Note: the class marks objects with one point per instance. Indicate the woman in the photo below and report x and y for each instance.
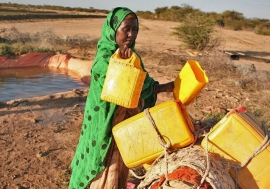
(97, 160)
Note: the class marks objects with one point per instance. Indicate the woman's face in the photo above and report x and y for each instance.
(126, 33)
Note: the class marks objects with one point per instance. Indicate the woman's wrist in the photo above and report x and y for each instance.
(167, 87)
(156, 88)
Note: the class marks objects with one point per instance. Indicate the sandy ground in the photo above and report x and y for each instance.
(38, 136)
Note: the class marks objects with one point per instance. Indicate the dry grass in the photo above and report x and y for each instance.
(15, 43)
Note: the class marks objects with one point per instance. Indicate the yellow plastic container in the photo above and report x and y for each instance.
(189, 83)
(138, 141)
(235, 138)
(124, 81)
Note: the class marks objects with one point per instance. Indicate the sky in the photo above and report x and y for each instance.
(249, 8)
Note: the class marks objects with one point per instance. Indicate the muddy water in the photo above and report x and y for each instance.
(30, 82)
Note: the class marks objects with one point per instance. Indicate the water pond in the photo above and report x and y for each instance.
(30, 82)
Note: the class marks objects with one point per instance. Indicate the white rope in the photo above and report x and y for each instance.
(265, 143)
(136, 176)
(207, 163)
(164, 144)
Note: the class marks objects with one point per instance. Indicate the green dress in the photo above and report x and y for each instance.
(96, 131)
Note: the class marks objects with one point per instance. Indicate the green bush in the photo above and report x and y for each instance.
(258, 112)
(234, 24)
(250, 24)
(195, 31)
(175, 13)
(263, 29)
(18, 49)
(217, 116)
(6, 50)
(146, 14)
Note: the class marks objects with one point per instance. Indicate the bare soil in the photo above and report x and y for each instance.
(38, 136)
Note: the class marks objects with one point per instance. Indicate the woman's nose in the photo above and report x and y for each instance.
(132, 33)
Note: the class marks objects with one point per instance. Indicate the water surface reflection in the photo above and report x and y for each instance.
(30, 82)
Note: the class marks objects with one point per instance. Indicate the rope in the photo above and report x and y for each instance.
(199, 132)
(207, 163)
(135, 175)
(161, 139)
(166, 166)
(164, 144)
(265, 143)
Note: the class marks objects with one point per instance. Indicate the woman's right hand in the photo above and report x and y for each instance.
(125, 52)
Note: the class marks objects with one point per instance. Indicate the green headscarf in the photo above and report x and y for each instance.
(96, 131)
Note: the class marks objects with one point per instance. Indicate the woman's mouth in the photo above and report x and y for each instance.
(128, 42)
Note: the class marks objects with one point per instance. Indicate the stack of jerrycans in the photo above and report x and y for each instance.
(236, 137)
(138, 140)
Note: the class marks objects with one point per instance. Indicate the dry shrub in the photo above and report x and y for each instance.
(253, 79)
(46, 38)
(162, 59)
(82, 42)
(15, 43)
(217, 65)
(12, 35)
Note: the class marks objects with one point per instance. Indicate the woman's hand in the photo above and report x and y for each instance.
(125, 52)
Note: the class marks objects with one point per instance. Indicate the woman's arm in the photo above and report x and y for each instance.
(166, 87)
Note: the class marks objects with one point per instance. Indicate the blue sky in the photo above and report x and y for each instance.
(249, 8)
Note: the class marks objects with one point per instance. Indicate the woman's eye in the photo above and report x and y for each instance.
(126, 29)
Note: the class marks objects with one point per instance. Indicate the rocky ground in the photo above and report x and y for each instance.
(38, 136)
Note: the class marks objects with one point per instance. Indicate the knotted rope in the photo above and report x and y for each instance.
(162, 141)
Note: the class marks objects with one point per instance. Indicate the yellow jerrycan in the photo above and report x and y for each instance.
(190, 81)
(138, 140)
(124, 81)
(240, 139)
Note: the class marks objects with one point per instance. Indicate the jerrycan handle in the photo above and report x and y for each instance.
(128, 60)
(133, 60)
